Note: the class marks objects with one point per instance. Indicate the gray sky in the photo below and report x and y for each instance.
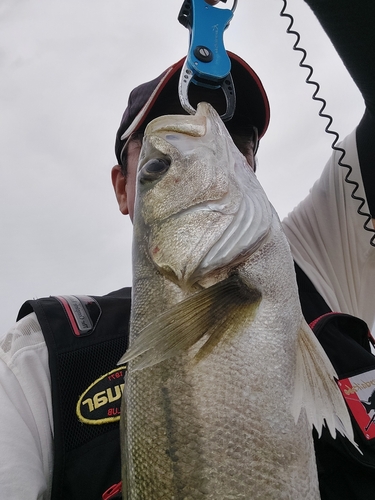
(67, 67)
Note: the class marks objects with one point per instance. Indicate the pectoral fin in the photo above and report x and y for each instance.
(205, 313)
(316, 390)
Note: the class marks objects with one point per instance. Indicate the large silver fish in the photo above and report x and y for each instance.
(225, 378)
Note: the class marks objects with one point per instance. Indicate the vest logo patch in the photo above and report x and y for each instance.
(101, 402)
(359, 394)
(83, 313)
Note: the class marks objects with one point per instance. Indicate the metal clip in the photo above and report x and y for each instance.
(207, 63)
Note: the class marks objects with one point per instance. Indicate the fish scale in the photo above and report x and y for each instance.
(218, 390)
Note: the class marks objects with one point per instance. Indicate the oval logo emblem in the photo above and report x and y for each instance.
(101, 402)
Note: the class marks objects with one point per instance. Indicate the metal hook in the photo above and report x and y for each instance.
(234, 7)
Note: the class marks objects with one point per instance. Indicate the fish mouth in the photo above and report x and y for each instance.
(195, 127)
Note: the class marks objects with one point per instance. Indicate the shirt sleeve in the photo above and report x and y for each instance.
(328, 239)
(26, 431)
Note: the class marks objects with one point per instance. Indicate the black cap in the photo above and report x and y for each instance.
(160, 97)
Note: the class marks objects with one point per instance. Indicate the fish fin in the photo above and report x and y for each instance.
(178, 329)
(316, 389)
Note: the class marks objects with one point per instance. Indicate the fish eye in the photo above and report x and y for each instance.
(154, 169)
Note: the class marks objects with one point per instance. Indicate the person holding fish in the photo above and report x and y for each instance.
(224, 379)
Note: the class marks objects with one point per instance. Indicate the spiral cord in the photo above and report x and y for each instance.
(368, 222)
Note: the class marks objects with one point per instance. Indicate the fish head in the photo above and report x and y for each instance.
(198, 204)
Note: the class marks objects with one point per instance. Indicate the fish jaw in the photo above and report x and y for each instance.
(209, 210)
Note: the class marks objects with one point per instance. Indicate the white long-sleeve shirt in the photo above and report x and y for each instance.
(26, 424)
(327, 241)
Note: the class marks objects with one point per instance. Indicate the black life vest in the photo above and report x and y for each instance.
(85, 336)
